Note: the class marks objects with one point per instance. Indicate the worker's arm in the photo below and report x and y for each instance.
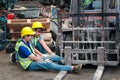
(35, 57)
(24, 52)
(46, 47)
(37, 52)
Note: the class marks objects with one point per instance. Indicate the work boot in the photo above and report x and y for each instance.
(77, 68)
(12, 58)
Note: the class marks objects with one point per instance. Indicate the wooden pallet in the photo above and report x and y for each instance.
(15, 25)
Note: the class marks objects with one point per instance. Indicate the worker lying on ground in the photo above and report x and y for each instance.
(39, 44)
(29, 60)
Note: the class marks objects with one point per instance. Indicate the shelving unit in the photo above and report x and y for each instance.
(2, 32)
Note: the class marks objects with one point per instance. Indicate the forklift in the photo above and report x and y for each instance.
(92, 37)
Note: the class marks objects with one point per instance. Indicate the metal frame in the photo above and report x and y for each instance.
(2, 32)
(77, 52)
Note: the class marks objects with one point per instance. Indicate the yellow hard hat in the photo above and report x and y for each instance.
(27, 31)
(37, 25)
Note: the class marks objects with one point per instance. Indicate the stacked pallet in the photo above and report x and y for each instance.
(15, 26)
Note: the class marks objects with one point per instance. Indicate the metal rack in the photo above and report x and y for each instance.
(2, 32)
(87, 41)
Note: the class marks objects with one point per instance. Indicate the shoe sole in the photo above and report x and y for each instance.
(78, 69)
(11, 61)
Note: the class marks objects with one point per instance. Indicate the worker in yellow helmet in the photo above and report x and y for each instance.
(27, 31)
(38, 41)
(39, 44)
(29, 60)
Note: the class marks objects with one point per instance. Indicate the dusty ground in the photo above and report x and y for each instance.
(10, 71)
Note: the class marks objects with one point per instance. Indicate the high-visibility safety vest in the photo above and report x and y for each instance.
(86, 2)
(24, 62)
(35, 40)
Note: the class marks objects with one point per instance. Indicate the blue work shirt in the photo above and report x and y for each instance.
(23, 51)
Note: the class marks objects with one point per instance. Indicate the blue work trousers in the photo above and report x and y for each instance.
(48, 65)
(53, 58)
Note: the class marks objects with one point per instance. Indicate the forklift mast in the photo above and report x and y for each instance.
(93, 35)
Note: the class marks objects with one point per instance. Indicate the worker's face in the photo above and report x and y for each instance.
(38, 31)
(28, 38)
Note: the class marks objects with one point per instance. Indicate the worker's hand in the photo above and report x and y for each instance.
(38, 55)
(53, 54)
(40, 59)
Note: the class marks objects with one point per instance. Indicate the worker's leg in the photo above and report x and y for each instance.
(53, 58)
(48, 66)
(40, 48)
(56, 59)
(16, 56)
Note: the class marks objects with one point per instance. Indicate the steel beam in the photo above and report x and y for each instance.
(98, 73)
(67, 52)
(60, 75)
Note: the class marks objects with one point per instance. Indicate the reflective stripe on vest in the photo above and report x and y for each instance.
(17, 45)
(35, 41)
(24, 62)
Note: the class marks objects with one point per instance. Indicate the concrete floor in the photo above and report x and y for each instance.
(9, 71)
